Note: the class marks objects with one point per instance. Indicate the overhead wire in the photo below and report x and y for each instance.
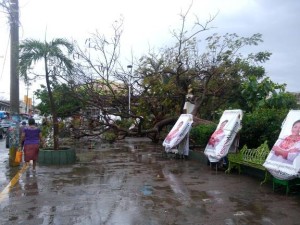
(4, 61)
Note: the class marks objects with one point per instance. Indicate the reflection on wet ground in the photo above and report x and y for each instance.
(132, 183)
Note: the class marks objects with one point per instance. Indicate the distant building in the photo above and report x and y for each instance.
(23, 108)
(4, 105)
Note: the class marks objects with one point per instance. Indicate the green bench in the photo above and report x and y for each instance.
(286, 183)
(250, 158)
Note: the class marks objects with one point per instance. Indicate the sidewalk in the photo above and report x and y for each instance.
(130, 183)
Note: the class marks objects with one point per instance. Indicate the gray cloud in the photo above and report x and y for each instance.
(278, 21)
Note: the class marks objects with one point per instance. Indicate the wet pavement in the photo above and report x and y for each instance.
(131, 183)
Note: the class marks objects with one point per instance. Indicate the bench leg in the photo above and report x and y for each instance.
(229, 168)
(233, 165)
(285, 183)
(267, 176)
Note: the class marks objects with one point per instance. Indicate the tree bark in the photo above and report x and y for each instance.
(53, 109)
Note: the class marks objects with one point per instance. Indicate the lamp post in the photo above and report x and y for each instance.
(129, 87)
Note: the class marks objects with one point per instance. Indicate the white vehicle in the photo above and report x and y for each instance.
(111, 118)
(38, 119)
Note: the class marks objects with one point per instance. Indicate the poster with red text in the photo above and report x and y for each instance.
(283, 161)
(223, 137)
(179, 133)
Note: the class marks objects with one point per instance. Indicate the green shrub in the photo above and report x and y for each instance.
(260, 126)
(126, 123)
(201, 134)
(109, 137)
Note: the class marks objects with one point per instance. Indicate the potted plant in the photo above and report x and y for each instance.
(56, 65)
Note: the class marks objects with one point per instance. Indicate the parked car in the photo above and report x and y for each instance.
(4, 114)
(7, 141)
(1, 132)
(5, 123)
(38, 120)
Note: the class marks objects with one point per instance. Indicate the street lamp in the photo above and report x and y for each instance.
(129, 86)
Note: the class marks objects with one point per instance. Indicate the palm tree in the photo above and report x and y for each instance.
(54, 60)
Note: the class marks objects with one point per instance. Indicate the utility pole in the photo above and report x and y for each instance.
(14, 56)
(14, 79)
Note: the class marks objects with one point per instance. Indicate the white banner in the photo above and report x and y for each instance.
(223, 137)
(283, 161)
(179, 131)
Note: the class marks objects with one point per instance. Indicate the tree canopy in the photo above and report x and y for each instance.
(214, 74)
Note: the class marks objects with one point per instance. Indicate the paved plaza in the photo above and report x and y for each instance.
(131, 183)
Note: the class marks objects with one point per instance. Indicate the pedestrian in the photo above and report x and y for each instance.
(32, 137)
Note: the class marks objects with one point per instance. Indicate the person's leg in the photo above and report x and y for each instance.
(35, 151)
(33, 164)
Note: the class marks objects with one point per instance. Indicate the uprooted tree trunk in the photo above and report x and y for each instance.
(153, 133)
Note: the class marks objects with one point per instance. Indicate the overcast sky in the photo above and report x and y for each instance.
(148, 23)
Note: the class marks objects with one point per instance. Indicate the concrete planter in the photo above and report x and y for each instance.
(63, 156)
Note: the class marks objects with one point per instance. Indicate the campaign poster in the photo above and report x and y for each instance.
(224, 135)
(179, 133)
(283, 161)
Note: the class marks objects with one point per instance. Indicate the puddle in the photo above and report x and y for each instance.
(147, 190)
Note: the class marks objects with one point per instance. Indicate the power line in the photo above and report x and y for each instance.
(5, 56)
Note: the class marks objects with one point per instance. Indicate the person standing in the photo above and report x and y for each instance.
(31, 137)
